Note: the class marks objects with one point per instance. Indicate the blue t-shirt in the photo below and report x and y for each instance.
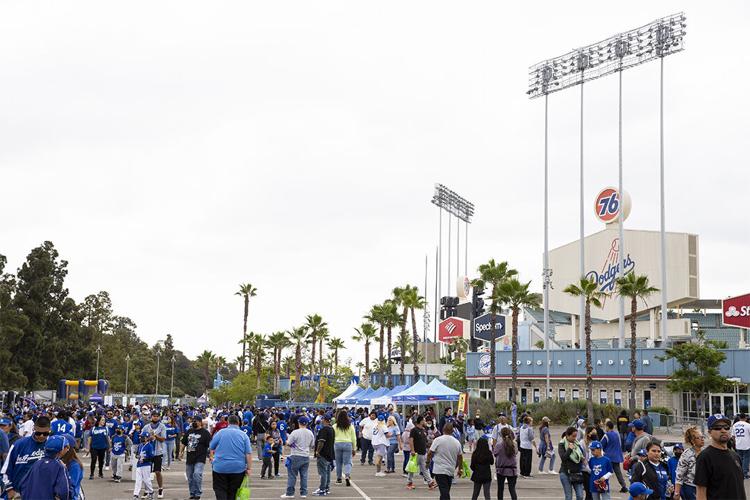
(135, 436)
(281, 426)
(112, 424)
(267, 450)
(118, 444)
(599, 466)
(672, 466)
(61, 427)
(247, 429)
(171, 433)
(394, 431)
(231, 446)
(99, 437)
(145, 454)
(4, 444)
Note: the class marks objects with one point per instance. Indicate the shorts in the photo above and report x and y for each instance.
(380, 449)
(156, 463)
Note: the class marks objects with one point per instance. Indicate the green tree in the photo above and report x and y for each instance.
(335, 344)
(634, 287)
(376, 316)
(403, 341)
(246, 291)
(323, 337)
(367, 334)
(13, 323)
(391, 318)
(298, 337)
(314, 324)
(205, 361)
(698, 369)
(399, 299)
(493, 274)
(277, 341)
(256, 350)
(457, 375)
(411, 299)
(589, 290)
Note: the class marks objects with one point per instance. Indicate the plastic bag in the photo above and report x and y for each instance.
(411, 465)
(244, 492)
(467, 469)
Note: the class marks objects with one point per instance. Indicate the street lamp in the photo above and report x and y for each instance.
(127, 373)
(98, 353)
(171, 385)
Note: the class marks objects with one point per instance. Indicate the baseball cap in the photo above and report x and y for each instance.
(381, 417)
(642, 453)
(678, 445)
(638, 424)
(55, 443)
(303, 421)
(4, 421)
(595, 445)
(639, 489)
(69, 440)
(718, 417)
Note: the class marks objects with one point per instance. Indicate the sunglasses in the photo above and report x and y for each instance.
(720, 428)
(42, 433)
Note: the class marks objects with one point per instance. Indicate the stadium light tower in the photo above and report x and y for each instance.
(655, 40)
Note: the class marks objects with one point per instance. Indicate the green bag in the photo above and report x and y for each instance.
(244, 492)
(411, 465)
(467, 469)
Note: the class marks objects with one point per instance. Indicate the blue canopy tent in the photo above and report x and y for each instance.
(415, 393)
(351, 398)
(366, 399)
(387, 398)
(441, 392)
(347, 392)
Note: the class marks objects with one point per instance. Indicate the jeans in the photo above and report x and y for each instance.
(367, 451)
(343, 453)
(688, 492)
(391, 461)
(618, 473)
(407, 454)
(600, 495)
(569, 488)
(324, 471)
(423, 470)
(444, 482)
(480, 486)
(169, 453)
(226, 485)
(511, 486)
(551, 462)
(745, 457)
(260, 442)
(194, 473)
(299, 466)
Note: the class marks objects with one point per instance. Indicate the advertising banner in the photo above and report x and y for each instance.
(736, 311)
(482, 327)
(452, 328)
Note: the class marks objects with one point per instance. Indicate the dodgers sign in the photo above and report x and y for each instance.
(482, 327)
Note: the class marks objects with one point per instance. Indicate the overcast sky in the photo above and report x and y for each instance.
(173, 150)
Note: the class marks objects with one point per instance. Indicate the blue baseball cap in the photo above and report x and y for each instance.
(69, 440)
(678, 446)
(639, 489)
(303, 421)
(642, 452)
(5, 421)
(55, 444)
(381, 417)
(595, 445)
(713, 419)
(638, 424)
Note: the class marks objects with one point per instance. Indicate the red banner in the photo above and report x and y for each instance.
(450, 329)
(736, 311)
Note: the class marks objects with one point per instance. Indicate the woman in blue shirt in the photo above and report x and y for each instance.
(99, 445)
(75, 469)
(394, 444)
(171, 435)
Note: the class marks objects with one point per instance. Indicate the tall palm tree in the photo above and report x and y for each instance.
(256, 350)
(635, 287)
(403, 341)
(335, 344)
(359, 365)
(493, 274)
(376, 316)
(399, 294)
(298, 337)
(391, 318)
(413, 300)
(246, 291)
(204, 362)
(288, 363)
(219, 363)
(367, 334)
(323, 336)
(314, 324)
(589, 290)
(277, 341)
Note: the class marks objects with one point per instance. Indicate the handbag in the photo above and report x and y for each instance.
(412, 466)
(575, 477)
(244, 492)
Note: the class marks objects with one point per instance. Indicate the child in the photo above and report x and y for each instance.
(380, 441)
(471, 433)
(639, 491)
(673, 461)
(143, 468)
(481, 467)
(120, 444)
(268, 451)
(135, 439)
(601, 470)
(406, 445)
(277, 446)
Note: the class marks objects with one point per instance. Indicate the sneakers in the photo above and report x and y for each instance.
(380, 474)
(106, 468)
(91, 477)
(552, 472)
(338, 481)
(348, 482)
(286, 496)
(624, 490)
(542, 472)
(410, 486)
(161, 493)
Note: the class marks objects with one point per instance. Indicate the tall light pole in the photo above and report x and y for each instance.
(156, 391)
(171, 385)
(98, 353)
(127, 373)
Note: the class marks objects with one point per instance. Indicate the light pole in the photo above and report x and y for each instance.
(98, 353)
(127, 373)
(156, 391)
(171, 385)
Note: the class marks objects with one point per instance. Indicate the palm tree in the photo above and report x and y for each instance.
(493, 274)
(403, 341)
(314, 324)
(204, 362)
(219, 363)
(367, 334)
(391, 318)
(359, 365)
(246, 291)
(635, 287)
(323, 336)
(412, 300)
(399, 294)
(376, 316)
(277, 341)
(288, 363)
(255, 351)
(589, 290)
(298, 336)
(335, 344)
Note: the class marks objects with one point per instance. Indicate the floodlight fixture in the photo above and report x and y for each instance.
(655, 40)
(452, 202)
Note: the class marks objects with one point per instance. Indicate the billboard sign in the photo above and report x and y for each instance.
(452, 328)
(608, 204)
(736, 311)
(482, 327)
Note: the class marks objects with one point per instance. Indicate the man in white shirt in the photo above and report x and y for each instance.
(301, 441)
(741, 433)
(27, 427)
(367, 425)
(503, 422)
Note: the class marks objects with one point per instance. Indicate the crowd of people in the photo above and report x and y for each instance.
(42, 449)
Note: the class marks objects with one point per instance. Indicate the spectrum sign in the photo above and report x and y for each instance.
(482, 329)
(736, 311)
